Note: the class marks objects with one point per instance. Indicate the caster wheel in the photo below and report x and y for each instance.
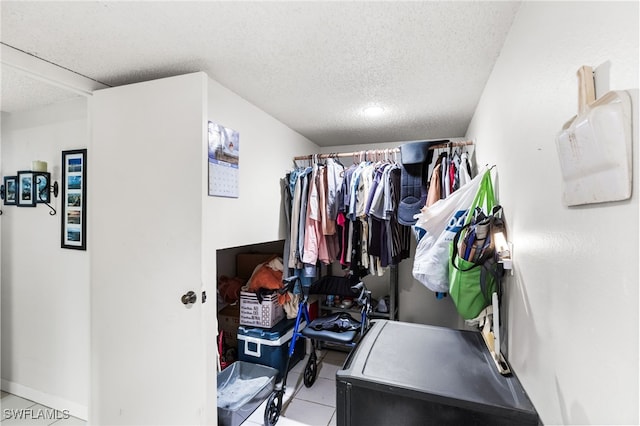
(310, 372)
(274, 406)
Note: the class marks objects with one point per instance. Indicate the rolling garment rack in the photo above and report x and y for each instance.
(377, 155)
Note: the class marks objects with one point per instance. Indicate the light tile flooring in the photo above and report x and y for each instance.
(314, 406)
(32, 414)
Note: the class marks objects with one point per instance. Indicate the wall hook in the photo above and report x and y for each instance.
(52, 189)
(53, 211)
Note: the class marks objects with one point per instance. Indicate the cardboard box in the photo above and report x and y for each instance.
(229, 321)
(265, 314)
(247, 262)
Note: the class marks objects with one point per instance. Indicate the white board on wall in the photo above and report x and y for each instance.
(594, 147)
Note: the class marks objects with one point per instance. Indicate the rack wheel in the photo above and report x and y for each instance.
(310, 371)
(274, 406)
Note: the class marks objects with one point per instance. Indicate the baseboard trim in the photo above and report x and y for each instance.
(75, 409)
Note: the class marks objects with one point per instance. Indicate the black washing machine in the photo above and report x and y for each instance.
(411, 374)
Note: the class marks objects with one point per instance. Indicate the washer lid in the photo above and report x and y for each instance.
(437, 362)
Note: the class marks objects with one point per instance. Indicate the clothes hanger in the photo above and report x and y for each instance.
(336, 158)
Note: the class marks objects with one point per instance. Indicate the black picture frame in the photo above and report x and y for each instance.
(10, 190)
(42, 185)
(26, 189)
(73, 233)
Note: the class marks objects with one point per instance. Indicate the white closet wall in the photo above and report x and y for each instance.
(256, 216)
(573, 302)
(155, 236)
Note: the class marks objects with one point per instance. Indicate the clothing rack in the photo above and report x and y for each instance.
(378, 151)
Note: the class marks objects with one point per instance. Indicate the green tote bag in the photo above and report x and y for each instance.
(471, 284)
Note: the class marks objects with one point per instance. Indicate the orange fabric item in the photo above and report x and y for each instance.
(435, 187)
(229, 288)
(265, 277)
(283, 298)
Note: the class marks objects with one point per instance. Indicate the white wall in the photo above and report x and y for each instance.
(266, 150)
(573, 301)
(3, 117)
(45, 289)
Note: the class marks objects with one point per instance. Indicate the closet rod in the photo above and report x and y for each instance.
(390, 150)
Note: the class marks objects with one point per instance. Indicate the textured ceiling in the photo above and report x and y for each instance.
(22, 92)
(312, 65)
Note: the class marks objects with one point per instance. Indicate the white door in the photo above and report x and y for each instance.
(145, 220)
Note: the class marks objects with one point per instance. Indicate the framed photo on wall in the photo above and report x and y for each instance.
(42, 180)
(26, 189)
(74, 194)
(10, 190)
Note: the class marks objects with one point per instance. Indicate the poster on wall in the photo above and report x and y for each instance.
(74, 199)
(224, 161)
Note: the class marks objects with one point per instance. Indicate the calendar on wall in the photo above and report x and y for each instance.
(224, 161)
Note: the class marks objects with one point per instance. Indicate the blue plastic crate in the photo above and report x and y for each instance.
(270, 346)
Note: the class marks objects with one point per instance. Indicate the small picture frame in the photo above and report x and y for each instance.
(26, 189)
(74, 195)
(10, 190)
(43, 181)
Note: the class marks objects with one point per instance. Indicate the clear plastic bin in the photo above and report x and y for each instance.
(242, 387)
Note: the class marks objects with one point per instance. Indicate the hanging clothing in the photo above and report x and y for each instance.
(444, 170)
(312, 240)
(294, 254)
(334, 178)
(416, 157)
(464, 171)
(351, 214)
(435, 186)
(304, 200)
(285, 191)
(455, 172)
(452, 176)
(364, 235)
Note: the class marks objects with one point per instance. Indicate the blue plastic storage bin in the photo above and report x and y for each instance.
(270, 346)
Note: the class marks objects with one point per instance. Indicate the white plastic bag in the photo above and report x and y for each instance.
(441, 221)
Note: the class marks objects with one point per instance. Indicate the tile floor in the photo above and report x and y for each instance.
(314, 406)
(33, 414)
